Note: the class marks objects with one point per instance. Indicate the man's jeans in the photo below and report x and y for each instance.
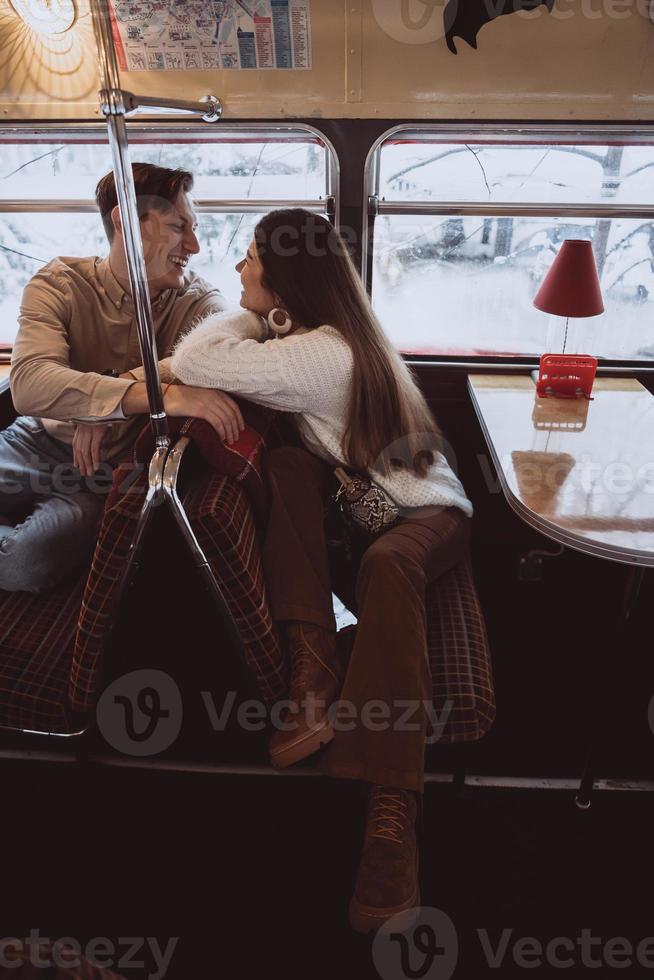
(52, 510)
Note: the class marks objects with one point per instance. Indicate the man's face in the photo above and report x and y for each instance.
(169, 240)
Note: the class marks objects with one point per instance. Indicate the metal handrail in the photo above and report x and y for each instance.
(203, 206)
(208, 108)
(114, 109)
(525, 209)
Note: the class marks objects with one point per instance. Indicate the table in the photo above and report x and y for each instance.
(580, 472)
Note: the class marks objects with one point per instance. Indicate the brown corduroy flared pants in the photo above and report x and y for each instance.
(381, 720)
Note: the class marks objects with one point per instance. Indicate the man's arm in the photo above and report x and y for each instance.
(42, 381)
(165, 373)
(217, 408)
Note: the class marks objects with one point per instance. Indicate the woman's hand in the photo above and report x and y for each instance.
(87, 443)
(215, 407)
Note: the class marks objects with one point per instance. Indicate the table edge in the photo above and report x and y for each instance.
(548, 528)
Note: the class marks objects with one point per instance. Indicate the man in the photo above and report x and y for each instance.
(77, 383)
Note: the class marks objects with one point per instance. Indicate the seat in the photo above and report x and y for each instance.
(459, 657)
(52, 646)
(223, 521)
(36, 652)
(218, 511)
(52, 643)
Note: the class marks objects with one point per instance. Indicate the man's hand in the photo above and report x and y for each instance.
(87, 443)
(217, 408)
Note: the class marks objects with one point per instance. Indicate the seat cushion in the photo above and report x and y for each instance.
(98, 610)
(459, 657)
(36, 650)
(52, 643)
(221, 517)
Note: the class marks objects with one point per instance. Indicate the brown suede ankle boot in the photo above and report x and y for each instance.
(387, 879)
(315, 683)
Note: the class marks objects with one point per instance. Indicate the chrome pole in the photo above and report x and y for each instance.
(152, 498)
(114, 110)
(165, 464)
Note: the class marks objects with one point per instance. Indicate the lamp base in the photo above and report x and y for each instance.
(566, 375)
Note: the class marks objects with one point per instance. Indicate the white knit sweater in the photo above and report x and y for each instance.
(308, 373)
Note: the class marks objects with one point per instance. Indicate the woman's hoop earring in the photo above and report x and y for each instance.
(279, 321)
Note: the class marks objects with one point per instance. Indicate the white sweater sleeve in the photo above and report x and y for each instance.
(300, 373)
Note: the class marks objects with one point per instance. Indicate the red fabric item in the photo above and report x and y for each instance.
(242, 460)
(571, 286)
(228, 460)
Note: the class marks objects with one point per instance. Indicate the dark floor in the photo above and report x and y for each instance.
(253, 875)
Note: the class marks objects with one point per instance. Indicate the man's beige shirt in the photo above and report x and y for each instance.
(75, 322)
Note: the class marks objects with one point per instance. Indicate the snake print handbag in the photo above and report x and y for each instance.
(365, 507)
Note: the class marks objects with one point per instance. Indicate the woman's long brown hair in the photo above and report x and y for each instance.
(307, 265)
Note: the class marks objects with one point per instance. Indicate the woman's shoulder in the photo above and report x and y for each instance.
(316, 359)
(323, 336)
(324, 341)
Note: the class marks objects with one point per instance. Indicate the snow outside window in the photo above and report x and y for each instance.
(61, 175)
(463, 285)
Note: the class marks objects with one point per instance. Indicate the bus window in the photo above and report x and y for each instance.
(47, 205)
(467, 224)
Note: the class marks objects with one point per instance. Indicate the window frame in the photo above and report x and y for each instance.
(97, 132)
(507, 133)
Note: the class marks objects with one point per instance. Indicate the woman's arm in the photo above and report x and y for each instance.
(304, 372)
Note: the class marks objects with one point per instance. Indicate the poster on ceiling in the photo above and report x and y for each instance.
(196, 35)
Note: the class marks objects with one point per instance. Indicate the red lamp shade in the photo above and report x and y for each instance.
(571, 286)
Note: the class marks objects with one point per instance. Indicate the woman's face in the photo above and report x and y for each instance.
(254, 296)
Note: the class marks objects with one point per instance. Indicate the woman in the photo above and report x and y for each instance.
(310, 346)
